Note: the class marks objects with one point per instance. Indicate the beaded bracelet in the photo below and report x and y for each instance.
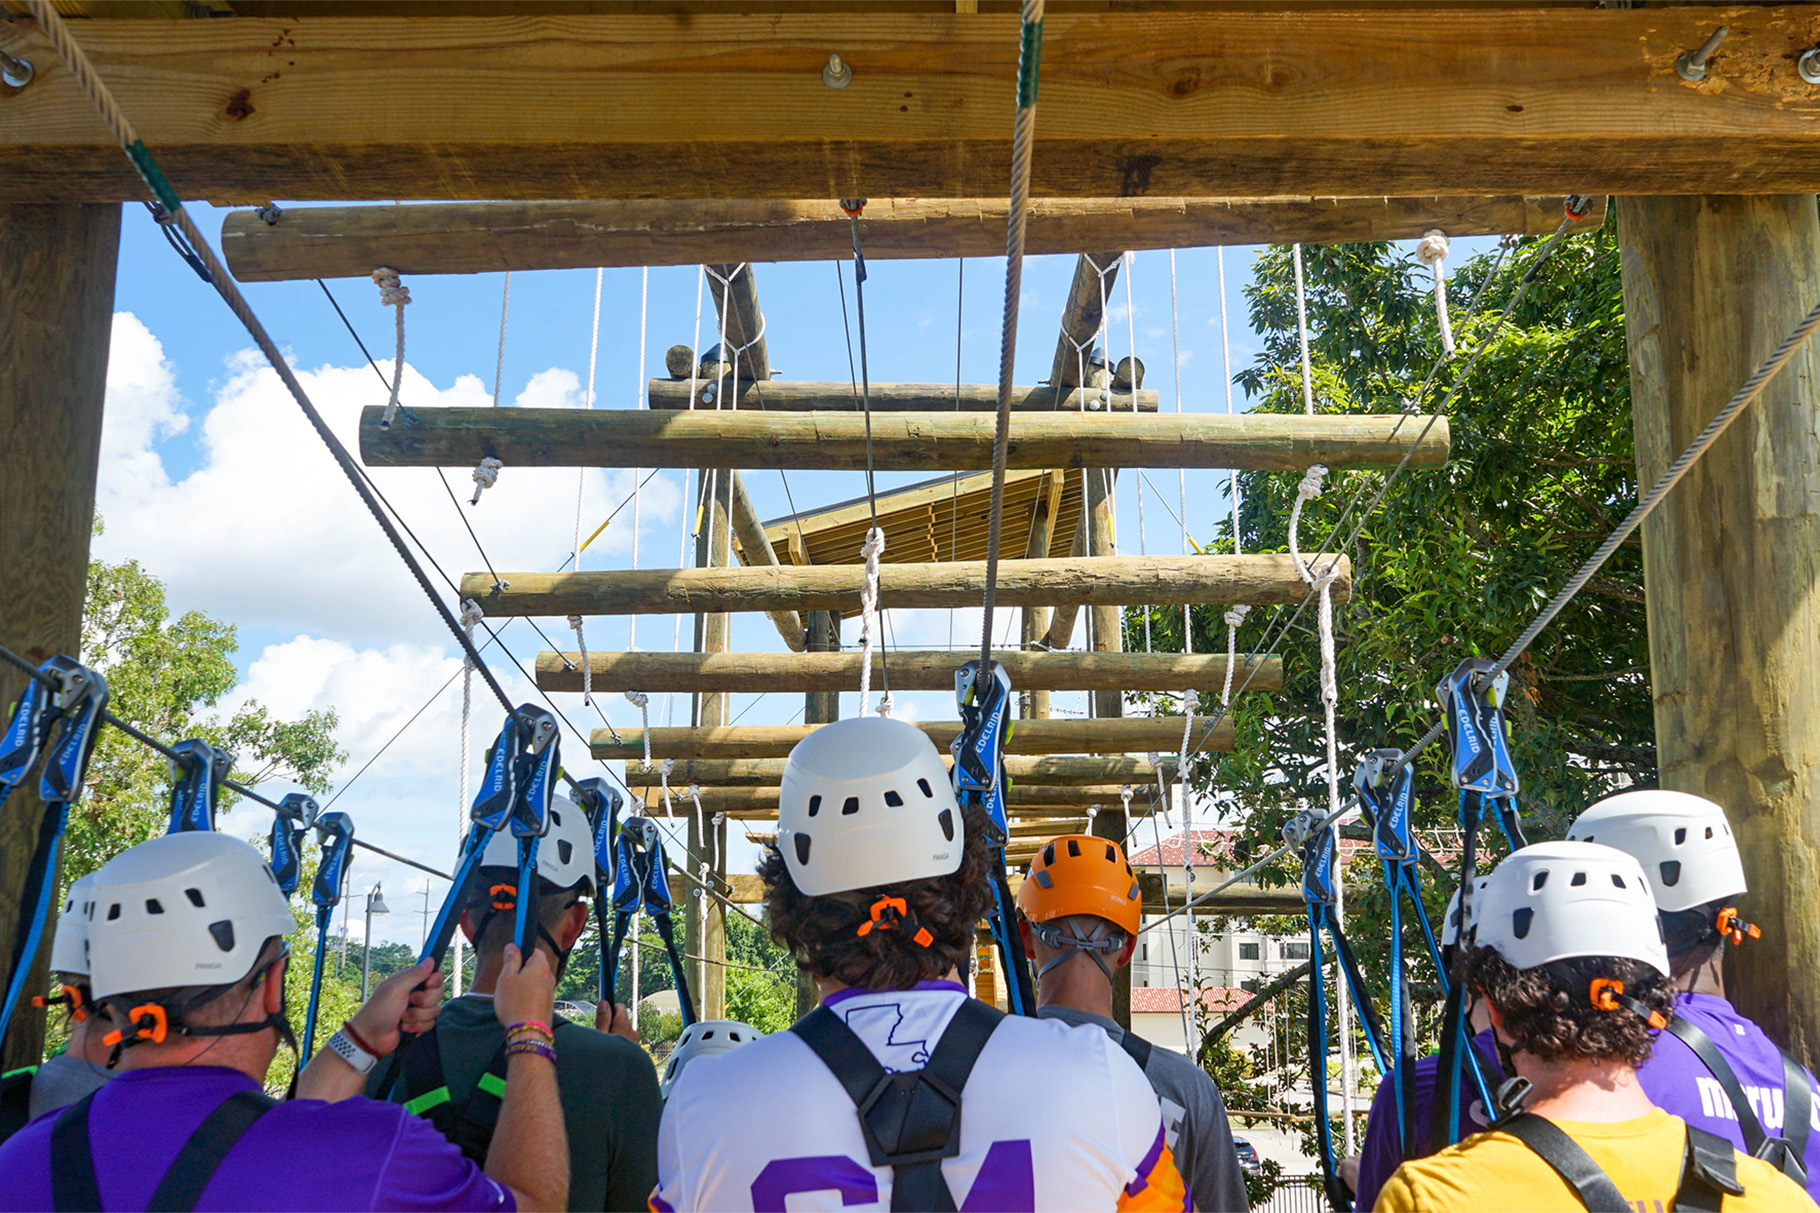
(528, 1045)
(519, 1034)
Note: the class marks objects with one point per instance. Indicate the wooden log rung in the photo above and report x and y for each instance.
(1039, 770)
(1118, 735)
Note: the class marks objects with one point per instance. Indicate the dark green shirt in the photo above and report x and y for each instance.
(610, 1103)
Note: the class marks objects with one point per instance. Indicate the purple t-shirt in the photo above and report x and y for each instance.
(1382, 1152)
(1677, 1081)
(304, 1154)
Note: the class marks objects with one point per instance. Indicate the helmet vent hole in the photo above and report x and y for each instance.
(849, 806)
(1535, 885)
(1680, 835)
(1043, 879)
(153, 906)
(223, 931)
(892, 799)
(947, 822)
(1578, 880)
(113, 911)
(708, 1035)
(1136, 892)
(815, 805)
(928, 792)
(564, 849)
(1520, 922)
(1671, 872)
(1074, 848)
(1112, 855)
(1709, 831)
(1617, 880)
(1049, 855)
(195, 896)
(802, 848)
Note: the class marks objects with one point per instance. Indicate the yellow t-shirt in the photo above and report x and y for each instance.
(1493, 1172)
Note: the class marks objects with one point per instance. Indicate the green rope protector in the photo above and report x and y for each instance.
(492, 1084)
(153, 175)
(429, 1099)
(1029, 56)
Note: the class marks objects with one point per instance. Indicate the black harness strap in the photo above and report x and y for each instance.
(74, 1186)
(911, 1120)
(1595, 1188)
(1797, 1114)
(1787, 1153)
(1138, 1047)
(1709, 1173)
(16, 1100)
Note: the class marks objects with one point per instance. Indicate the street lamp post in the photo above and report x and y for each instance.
(375, 905)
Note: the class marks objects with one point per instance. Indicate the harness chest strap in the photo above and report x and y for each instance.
(1709, 1173)
(911, 1121)
(1787, 1152)
(76, 1189)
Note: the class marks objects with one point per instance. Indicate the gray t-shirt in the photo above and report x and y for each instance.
(63, 1080)
(1194, 1120)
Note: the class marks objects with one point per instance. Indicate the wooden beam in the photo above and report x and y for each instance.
(1131, 735)
(487, 237)
(735, 291)
(1253, 103)
(901, 442)
(1055, 771)
(779, 395)
(1112, 580)
(1731, 559)
(56, 314)
(761, 802)
(804, 673)
(755, 550)
(1082, 316)
(1240, 899)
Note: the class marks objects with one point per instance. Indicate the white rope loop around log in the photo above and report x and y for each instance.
(393, 293)
(868, 628)
(587, 667)
(642, 702)
(1432, 252)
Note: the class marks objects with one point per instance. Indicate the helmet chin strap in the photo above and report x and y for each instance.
(1069, 945)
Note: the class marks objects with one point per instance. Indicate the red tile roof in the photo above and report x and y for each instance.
(1167, 1000)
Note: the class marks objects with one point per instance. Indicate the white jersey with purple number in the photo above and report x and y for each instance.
(1053, 1117)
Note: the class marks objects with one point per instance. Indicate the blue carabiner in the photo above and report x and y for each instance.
(1474, 706)
(23, 740)
(978, 749)
(197, 771)
(296, 814)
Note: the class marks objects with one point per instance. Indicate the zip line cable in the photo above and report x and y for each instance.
(1029, 59)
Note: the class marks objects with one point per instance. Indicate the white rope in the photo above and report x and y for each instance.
(1234, 617)
(394, 294)
(587, 667)
(1301, 325)
(642, 702)
(669, 765)
(485, 475)
(1131, 368)
(868, 618)
(1432, 252)
(470, 619)
(499, 361)
(643, 401)
(581, 474)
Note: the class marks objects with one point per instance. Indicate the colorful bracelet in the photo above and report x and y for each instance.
(538, 1047)
(347, 1026)
(531, 1025)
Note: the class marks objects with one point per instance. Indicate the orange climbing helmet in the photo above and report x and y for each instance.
(1082, 874)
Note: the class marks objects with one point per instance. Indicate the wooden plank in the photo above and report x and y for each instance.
(1054, 771)
(1731, 559)
(780, 395)
(1253, 103)
(487, 237)
(1112, 580)
(749, 803)
(901, 442)
(1131, 735)
(805, 673)
(56, 311)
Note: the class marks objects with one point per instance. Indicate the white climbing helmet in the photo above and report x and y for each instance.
(69, 944)
(190, 909)
(704, 1038)
(1558, 900)
(866, 802)
(1450, 922)
(1683, 841)
(565, 856)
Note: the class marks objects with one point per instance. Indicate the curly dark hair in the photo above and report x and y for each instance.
(1548, 1010)
(823, 932)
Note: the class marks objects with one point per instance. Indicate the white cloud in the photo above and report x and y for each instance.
(143, 406)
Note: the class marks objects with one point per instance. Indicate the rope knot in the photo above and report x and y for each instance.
(669, 767)
(485, 476)
(392, 291)
(471, 614)
(638, 699)
(1328, 575)
(1235, 616)
(1433, 247)
(1310, 487)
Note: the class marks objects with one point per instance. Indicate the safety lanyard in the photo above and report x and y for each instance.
(602, 803)
(1486, 779)
(640, 883)
(1320, 897)
(335, 838)
(979, 783)
(58, 725)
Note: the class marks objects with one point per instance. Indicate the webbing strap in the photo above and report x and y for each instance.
(1709, 1173)
(75, 1188)
(1574, 1165)
(1709, 1055)
(1785, 1152)
(15, 1100)
(1797, 1115)
(911, 1120)
(469, 1125)
(1137, 1047)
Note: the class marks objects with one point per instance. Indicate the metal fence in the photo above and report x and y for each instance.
(1296, 1194)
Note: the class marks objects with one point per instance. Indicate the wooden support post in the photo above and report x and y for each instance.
(755, 551)
(819, 707)
(707, 840)
(735, 294)
(1061, 623)
(1110, 582)
(1035, 622)
(1132, 735)
(1732, 559)
(911, 670)
(1082, 315)
(901, 442)
(1106, 620)
(56, 315)
(784, 396)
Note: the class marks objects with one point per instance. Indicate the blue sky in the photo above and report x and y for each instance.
(210, 479)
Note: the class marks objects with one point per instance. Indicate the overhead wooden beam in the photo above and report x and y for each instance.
(756, 551)
(779, 395)
(805, 673)
(901, 442)
(1054, 771)
(1253, 103)
(1239, 899)
(1110, 581)
(761, 802)
(487, 237)
(1129, 735)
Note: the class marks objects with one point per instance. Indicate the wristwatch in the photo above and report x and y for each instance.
(343, 1046)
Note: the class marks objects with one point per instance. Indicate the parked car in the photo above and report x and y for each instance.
(1248, 1155)
(577, 1012)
